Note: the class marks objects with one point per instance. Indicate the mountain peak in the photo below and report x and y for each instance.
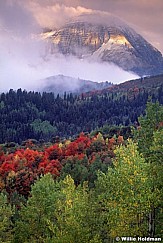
(102, 36)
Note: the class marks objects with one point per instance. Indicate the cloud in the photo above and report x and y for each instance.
(89, 70)
(17, 19)
(17, 62)
(51, 14)
(27, 69)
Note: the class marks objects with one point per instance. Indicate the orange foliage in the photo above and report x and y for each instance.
(111, 143)
(120, 139)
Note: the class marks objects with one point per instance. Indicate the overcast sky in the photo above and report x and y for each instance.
(19, 19)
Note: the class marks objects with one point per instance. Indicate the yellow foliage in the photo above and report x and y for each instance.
(60, 145)
(135, 173)
(69, 202)
(67, 142)
(130, 181)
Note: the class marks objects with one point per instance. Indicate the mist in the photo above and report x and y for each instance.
(24, 62)
(25, 65)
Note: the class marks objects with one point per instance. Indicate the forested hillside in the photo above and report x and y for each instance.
(89, 190)
(149, 83)
(38, 116)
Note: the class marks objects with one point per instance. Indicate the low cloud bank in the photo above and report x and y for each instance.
(25, 66)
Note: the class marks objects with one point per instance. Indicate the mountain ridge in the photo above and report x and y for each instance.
(136, 85)
(59, 84)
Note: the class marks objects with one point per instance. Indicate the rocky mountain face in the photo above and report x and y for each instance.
(59, 84)
(105, 38)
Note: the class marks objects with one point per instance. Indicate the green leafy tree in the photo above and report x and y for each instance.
(44, 127)
(123, 194)
(6, 212)
(156, 168)
(33, 225)
(156, 182)
(148, 125)
(74, 215)
(77, 169)
(96, 166)
(150, 144)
